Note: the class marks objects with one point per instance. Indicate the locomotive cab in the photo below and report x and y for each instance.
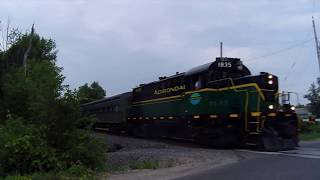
(228, 68)
(221, 69)
(238, 99)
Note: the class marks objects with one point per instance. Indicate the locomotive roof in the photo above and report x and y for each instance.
(206, 67)
(199, 69)
(106, 99)
(165, 79)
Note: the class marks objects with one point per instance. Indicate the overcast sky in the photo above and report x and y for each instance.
(122, 43)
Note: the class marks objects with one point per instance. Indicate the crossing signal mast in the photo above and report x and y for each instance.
(316, 40)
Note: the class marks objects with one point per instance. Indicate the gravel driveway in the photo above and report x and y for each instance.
(134, 158)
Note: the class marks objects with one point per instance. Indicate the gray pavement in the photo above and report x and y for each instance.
(300, 164)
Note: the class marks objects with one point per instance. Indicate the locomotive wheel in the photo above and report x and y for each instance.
(217, 139)
(143, 130)
(273, 142)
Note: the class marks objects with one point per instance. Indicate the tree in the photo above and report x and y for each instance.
(90, 93)
(8, 35)
(314, 97)
(43, 52)
(40, 115)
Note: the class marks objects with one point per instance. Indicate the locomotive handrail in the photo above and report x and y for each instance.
(246, 106)
(267, 90)
(247, 101)
(232, 83)
(288, 92)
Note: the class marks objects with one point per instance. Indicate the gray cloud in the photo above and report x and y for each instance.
(122, 43)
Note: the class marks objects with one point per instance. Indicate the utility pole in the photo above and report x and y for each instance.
(316, 40)
(221, 55)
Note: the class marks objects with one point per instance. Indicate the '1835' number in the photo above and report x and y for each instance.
(225, 64)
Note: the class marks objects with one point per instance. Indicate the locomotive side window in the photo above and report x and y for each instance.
(116, 109)
(162, 86)
(196, 82)
(168, 84)
(178, 82)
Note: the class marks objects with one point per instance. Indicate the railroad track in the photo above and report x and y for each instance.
(166, 140)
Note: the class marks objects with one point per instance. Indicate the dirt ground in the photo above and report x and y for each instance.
(134, 159)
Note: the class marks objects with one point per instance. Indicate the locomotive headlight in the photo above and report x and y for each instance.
(270, 82)
(270, 76)
(271, 107)
(293, 108)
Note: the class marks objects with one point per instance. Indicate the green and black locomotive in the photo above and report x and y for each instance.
(218, 104)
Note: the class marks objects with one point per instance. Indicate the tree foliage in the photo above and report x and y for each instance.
(11, 62)
(314, 97)
(39, 116)
(42, 49)
(90, 93)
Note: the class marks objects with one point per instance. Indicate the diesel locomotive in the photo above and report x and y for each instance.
(217, 104)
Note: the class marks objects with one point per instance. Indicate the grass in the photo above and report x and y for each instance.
(49, 176)
(145, 164)
(310, 131)
(310, 136)
(75, 172)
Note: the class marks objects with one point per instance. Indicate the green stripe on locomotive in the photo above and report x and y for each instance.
(204, 102)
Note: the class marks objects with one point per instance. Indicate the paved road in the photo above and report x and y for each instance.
(300, 164)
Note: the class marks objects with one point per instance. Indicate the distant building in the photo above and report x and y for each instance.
(303, 113)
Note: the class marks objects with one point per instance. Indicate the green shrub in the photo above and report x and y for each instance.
(24, 150)
(47, 176)
(17, 177)
(305, 127)
(79, 171)
(40, 116)
(86, 150)
(75, 172)
(310, 131)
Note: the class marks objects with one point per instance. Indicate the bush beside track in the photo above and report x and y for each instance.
(310, 131)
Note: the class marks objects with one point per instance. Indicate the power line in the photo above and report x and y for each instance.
(280, 51)
(290, 70)
(313, 7)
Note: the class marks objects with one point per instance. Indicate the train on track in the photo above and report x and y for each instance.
(217, 104)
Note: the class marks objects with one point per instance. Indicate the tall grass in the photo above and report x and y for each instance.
(310, 131)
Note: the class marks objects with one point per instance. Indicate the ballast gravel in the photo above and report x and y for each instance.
(136, 158)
